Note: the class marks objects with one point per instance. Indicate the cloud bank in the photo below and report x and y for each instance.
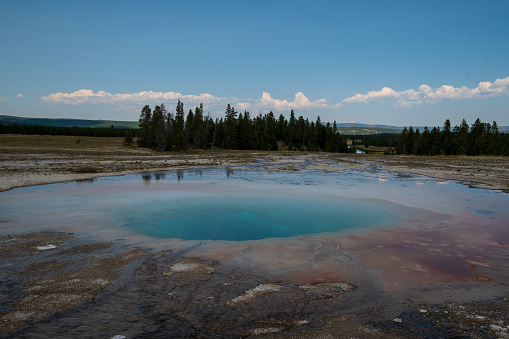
(266, 102)
(84, 96)
(407, 98)
(427, 95)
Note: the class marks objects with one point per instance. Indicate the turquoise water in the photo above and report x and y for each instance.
(247, 216)
(240, 204)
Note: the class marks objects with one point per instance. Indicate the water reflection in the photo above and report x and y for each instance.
(159, 176)
(180, 174)
(81, 182)
(228, 171)
(147, 177)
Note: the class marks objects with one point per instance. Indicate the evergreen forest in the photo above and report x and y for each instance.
(479, 139)
(165, 131)
(65, 130)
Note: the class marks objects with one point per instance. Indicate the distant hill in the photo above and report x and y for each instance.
(368, 130)
(11, 120)
(355, 124)
(344, 128)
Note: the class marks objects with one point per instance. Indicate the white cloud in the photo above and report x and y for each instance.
(244, 106)
(427, 95)
(407, 98)
(300, 102)
(266, 102)
(2, 99)
(501, 83)
(83, 96)
(20, 95)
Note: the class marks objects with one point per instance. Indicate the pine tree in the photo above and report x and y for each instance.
(402, 144)
(144, 124)
(169, 132)
(282, 124)
(188, 127)
(477, 138)
(271, 131)
(436, 139)
(245, 132)
(409, 147)
(292, 131)
(157, 127)
(448, 140)
(230, 128)
(494, 142)
(462, 138)
(196, 129)
(128, 139)
(178, 128)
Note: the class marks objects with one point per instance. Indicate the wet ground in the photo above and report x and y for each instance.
(105, 289)
(442, 273)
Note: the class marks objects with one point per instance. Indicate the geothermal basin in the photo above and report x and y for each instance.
(390, 236)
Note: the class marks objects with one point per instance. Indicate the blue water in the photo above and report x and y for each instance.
(240, 204)
(249, 216)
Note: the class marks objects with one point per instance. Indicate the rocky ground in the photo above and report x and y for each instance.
(54, 285)
(481, 172)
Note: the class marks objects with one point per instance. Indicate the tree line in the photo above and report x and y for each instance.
(165, 131)
(479, 139)
(378, 140)
(70, 131)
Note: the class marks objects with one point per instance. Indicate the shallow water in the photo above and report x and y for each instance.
(240, 204)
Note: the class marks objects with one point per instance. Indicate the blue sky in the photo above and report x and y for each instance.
(382, 62)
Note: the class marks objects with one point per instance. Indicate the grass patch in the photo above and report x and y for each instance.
(52, 141)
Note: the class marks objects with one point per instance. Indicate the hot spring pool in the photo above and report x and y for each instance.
(250, 215)
(237, 204)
